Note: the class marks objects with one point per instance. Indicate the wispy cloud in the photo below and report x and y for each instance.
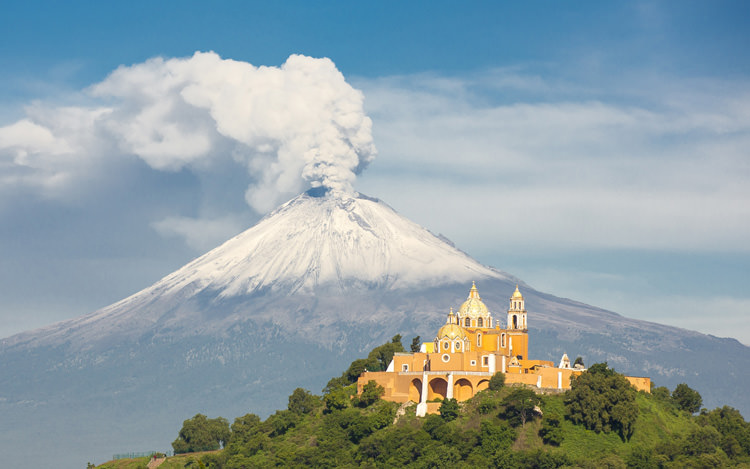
(568, 170)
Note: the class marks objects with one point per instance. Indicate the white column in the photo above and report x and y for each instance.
(539, 381)
(449, 391)
(504, 369)
(559, 380)
(422, 406)
(491, 359)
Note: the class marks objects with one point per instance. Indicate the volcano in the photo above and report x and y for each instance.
(289, 303)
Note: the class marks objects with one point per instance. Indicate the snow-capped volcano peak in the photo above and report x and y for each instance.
(323, 240)
(318, 245)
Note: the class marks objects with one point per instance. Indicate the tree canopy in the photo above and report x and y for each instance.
(202, 434)
(687, 399)
(377, 360)
(483, 432)
(602, 400)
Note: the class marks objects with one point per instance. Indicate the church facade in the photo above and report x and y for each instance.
(466, 352)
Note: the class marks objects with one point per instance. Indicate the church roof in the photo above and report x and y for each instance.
(451, 331)
(517, 294)
(473, 307)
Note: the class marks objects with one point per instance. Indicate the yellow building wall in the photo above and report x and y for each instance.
(640, 383)
(492, 341)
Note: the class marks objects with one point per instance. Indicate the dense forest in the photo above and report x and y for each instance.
(601, 422)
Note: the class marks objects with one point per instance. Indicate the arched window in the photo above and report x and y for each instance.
(480, 322)
(502, 340)
(479, 340)
(467, 322)
(458, 345)
(446, 345)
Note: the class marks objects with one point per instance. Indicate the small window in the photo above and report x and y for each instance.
(480, 322)
(502, 340)
(404, 367)
(485, 361)
(446, 358)
(479, 340)
(458, 345)
(445, 345)
(473, 363)
(467, 322)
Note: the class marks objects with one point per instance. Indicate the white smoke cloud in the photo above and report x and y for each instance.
(292, 126)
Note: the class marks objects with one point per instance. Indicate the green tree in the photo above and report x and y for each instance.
(602, 400)
(734, 429)
(551, 431)
(281, 422)
(449, 409)
(495, 436)
(642, 457)
(301, 401)
(578, 361)
(687, 399)
(202, 434)
(377, 360)
(497, 381)
(415, 344)
(661, 393)
(520, 406)
(371, 393)
(384, 353)
(337, 400)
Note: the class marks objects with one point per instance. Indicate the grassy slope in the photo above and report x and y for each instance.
(179, 461)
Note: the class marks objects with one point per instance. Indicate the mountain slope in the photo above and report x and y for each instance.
(289, 303)
(314, 245)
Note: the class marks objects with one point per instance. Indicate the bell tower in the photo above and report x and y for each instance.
(517, 312)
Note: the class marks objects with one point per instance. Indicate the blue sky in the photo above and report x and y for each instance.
(597, 150)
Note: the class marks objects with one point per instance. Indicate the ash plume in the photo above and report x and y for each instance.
(295, 126)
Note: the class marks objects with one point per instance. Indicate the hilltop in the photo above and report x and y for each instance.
(504, 426)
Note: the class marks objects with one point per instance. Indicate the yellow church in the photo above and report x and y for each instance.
(469, 348)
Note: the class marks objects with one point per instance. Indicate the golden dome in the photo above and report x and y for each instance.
(451, 331)
(517, 294)
(473, 307)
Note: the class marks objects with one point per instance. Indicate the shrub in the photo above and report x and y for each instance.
(449, 409)
(520, 406)
(497, 381)
(551, 431)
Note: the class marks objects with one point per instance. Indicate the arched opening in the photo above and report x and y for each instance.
(479, 340)
(462, 390)
(480, 322)
(467, 322)
(415, 390)
(482, 385)
(502, 340)
(438, 389)
(515, 322)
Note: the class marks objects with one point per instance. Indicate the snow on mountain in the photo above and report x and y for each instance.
(327, 241)
(317, 243)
